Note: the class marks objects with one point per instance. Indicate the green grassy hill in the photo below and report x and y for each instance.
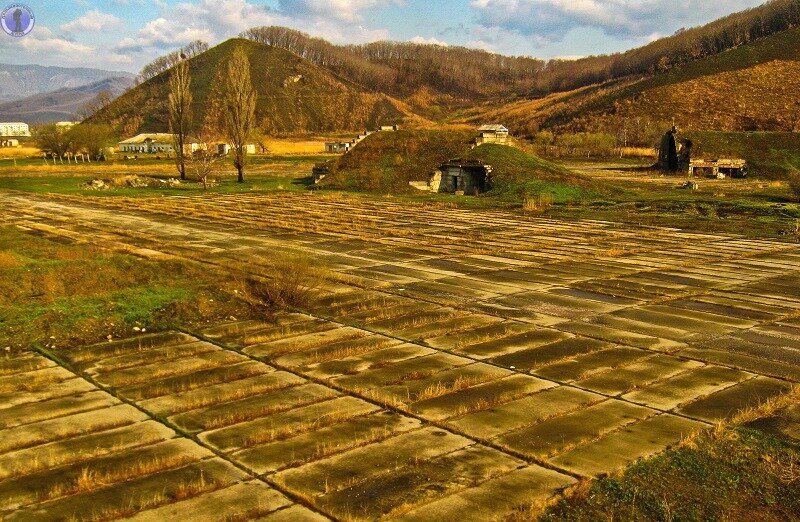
(517, 174)
(388, 161)
(294, 96)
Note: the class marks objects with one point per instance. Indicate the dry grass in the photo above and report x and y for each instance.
(8, 260)
(443, 388)
(288, 147)
(286, 432)
(170, 387)
(228, 396)
(19, 152)
(236, 417)
(347, 352)
(324, 450)
(767, 408)
(39, 380)
(290, 348)
(414, 375)
(271, 335)
(89, 480)
(537, 202)
(485, 403)
(193, 488)
(472, 339)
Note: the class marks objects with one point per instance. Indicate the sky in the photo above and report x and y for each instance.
(124, 35)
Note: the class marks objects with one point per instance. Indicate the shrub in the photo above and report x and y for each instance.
(537, 202)
(290, 282)
(794, 183)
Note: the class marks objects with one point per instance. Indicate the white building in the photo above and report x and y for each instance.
(66, 125)
(147, 144)
(14, 129)
(492, 134)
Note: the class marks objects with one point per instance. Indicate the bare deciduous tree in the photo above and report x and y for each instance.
(203, 161)
(180, 112)
(165, 63)
(240, 108)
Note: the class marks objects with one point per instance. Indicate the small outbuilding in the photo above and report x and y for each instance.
(493, 134)
(338, 147)
(147, 144)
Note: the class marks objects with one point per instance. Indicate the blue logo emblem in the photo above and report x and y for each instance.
(17, 20)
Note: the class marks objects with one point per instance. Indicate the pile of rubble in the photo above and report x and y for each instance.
(132, 182)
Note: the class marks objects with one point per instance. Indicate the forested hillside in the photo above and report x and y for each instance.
(403, 68)
(293, 96)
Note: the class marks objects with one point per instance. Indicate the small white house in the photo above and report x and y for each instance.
(223, 149)
(148, 144)
(337, 147)
(14, 129)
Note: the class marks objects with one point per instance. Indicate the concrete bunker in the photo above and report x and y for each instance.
(458, 176)
(463, 177)
(721, 168)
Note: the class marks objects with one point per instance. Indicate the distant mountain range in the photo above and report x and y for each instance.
(22, 81)
(37, 94)
(64, 104)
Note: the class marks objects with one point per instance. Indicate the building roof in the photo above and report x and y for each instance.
(493, 128)
(141, 138)
(725, 163)
(13, 123)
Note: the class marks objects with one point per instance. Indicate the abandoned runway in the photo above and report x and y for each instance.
(460, 363)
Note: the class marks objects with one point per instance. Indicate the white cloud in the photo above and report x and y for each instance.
(428, 41)
(92, 21)
(43, 46)
(551, 19)
(346, 10)
(44, 41)
(162, 34)
(216, 20)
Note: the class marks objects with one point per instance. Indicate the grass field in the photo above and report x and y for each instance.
(67, 294)
(609, 190)
(733, 472)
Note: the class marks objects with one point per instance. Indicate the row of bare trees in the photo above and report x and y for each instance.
(401, 67)
(234, 120)
(168, 61)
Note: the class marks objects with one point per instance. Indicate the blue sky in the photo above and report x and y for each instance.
(126, 34)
